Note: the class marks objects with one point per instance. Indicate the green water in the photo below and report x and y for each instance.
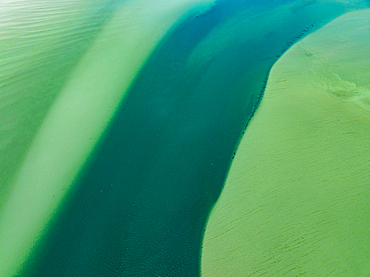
(39, 45)
(139, 206)
(296, 199)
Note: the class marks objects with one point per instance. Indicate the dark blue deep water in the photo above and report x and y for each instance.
(140, 205)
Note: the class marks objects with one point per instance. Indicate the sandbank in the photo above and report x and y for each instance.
(296, 200)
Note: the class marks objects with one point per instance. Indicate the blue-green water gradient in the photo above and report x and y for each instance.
(140, 205)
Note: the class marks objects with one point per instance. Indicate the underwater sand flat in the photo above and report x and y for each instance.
(166, 154)
(40, 42)
(296, 200)
(88, 99)
(145, 187)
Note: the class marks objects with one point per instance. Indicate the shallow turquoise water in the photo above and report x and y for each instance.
(140, 204)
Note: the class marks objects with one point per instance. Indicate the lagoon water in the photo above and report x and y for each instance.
(148, 112)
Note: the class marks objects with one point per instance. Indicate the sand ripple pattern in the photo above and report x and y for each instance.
(40, 41)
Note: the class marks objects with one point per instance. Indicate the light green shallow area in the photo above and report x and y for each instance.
(40, 42)
(71, 116)
(297, 198)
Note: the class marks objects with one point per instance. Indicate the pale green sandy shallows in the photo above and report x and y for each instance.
(76, 118)
(297, 198)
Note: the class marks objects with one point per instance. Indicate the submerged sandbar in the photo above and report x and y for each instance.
(296, 200)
